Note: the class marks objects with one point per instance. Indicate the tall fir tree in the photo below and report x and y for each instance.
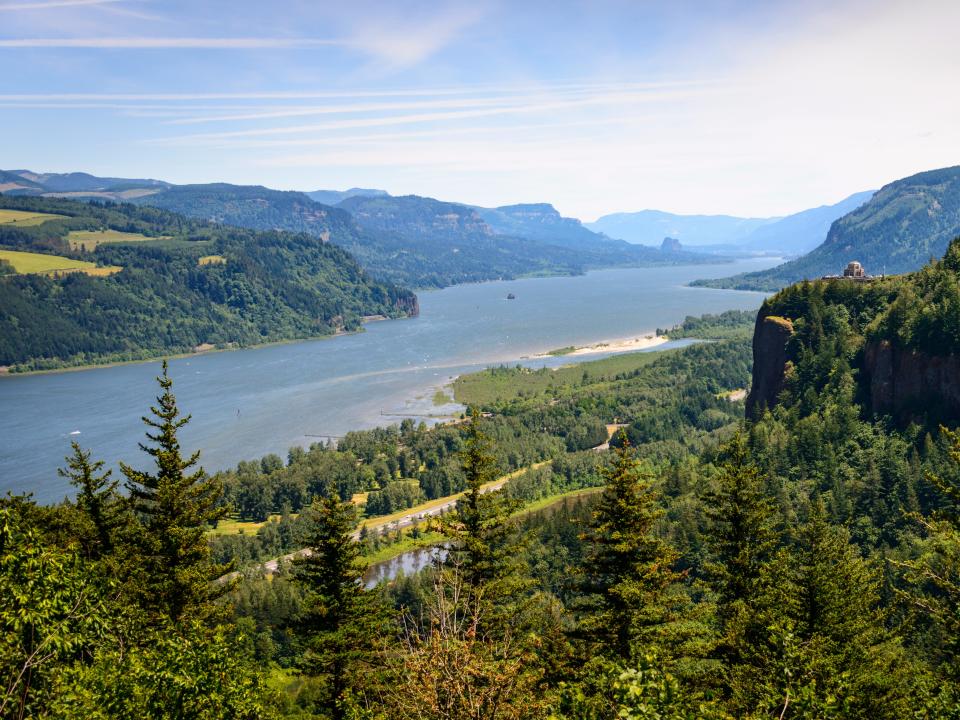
(484, 541)
(740, 531)
(97, 500)
(628, 569)
(175, 505)
(340, 621)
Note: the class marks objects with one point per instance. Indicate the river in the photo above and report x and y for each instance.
(248, 403)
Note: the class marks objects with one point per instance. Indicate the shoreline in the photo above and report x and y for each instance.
(6, 373)
(620, 345)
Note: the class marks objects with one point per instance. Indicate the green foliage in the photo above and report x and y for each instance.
(725, 326)
(184, 673)
(51, 613)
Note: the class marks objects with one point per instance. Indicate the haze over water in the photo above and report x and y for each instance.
(248, 403)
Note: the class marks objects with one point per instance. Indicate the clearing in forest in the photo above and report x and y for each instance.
(26, 218)
(89, 239)
(25, 263)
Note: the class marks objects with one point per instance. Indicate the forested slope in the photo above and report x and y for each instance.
(184, 283)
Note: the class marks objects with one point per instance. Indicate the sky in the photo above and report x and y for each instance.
(752, 108)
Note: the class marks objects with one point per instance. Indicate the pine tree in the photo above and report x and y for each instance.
(98, 499)
(627, 569)
(340, 620)
(174, 505)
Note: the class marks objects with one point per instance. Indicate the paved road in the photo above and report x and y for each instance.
(271, 566)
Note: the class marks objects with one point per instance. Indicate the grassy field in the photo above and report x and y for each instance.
(24, 218)
(27, 263)
(496, 385)
(89, 239)
(440, 398)
(212, 260)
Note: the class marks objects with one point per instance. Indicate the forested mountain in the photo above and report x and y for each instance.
(904, 225)
(412, 241)
(176, 284)
(505, 242)
(803, 231)
(79, 184)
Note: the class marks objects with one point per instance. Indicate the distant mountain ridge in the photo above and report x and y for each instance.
(332, 197)
(790, 235)
(466, 240)
(409, 240)
(904, 224)
(649, 227)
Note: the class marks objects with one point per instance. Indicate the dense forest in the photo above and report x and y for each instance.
(184, 283)
(803, 563)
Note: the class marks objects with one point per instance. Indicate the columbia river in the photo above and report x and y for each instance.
(248, 403)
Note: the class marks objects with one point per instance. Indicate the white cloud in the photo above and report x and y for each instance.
(402, 41)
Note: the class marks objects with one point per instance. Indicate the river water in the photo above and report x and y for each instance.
(248, 403)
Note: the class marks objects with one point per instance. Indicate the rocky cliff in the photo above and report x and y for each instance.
(911, 385)
(409, 304)
(770, 358)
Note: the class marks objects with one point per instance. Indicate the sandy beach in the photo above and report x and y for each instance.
(612, 346)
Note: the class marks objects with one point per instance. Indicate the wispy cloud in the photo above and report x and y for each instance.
(168, 43)
(528, 105)
(48, 4)
(430, 91)
(402, 41)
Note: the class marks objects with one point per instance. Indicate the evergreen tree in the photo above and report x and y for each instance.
(98, 499)
(484, 542)
(741, 538)
(627, 569)
(827, 640)
(934, 578)
(340, 620)
(740, 529)
(174, 505)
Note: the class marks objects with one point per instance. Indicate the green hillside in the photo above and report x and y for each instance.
(270, 286)
(904, 225)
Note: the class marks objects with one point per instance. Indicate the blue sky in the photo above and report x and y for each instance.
(749, 108)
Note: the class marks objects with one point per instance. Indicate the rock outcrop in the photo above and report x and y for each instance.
(770, 357)
(409, 304)
(911, 385)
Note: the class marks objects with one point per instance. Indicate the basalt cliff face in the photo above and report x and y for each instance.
(911, 385)
(906, 384)
(770, 358)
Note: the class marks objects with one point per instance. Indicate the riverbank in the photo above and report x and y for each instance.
(609, 346)
(9, 371)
